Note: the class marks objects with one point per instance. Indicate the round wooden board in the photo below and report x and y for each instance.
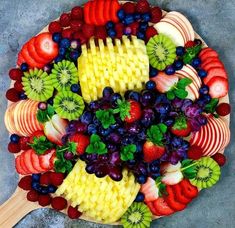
(9, 219)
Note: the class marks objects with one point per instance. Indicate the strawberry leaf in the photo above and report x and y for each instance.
(155, 134)
(180, 123)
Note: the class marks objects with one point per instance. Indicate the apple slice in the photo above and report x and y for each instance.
(189, 69)
(170, 31)
(187, 75)
(209, 138)
(226, 132)
(213, 72)
(25, 121)
(169, 168)
(9, 119)
(17, 119)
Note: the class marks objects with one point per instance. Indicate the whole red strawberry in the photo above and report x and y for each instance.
(223, 109)
(65, 19)
(220, 159)
(142, 6)
(77, 13)
(129, 7)
(54, 27)
(82, 141)
(156, 14)
(152, 152)
(88, 30)
(150, 32)
(195, 152)
(181, 127)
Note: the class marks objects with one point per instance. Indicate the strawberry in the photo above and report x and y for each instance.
(93, 10)
(218, 87)
(214, 72)
(161, 207)
(220, 159)
(12, 95)
(152, 208)
(24, 143)
(20, 59)
(115, 6)
(142, 6)
(35, 162)
(195, 152)
(152, 152)
(82, 142)
(179, 194)
(77, 13)
(100, 32)
(87, 7)
(76, 25)
(15, 74)
(156, 14)
(18, 86)
(45, 160)
(56, 178)
(13, 147)
(171, 200)
(150, 32)
(36, 134)
(150, 190)
(44, 200)
(32, 196)
(223, 109)
(88, 30)
(73, 212)
(67, 33)
(189, 190)
(25, 183)
(181, 127)
(65, 19)
(129, 7)
(190, 44)
(54, 27)
(59, 203)
(80, 36)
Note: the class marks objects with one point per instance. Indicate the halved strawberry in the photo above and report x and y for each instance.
(100, 12)
(115, 6)
(150, 190)
(35, 162)
(214, 64)
(208, 54)
(28, 162)
(179, 194)
(152, 208)
(171, 200)
(44, 160)
(213, 72)
(18, 166)
(82, 141)
(218, 87)
(93, 10)
(152, 152)
(87, 18)
(52, 159)
(33, 53)
(107, 9)
(161, 207)
(46, 47)
(188, 189)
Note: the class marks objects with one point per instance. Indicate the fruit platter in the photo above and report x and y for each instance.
(118, 113)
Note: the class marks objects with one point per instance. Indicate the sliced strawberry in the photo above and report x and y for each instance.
(20, 59)
(52, 159)
(36, 163)
(100, 12)
(115, 6)
(22, 163)
(150, 190)
(179, 194)
(162, 208)
(213, 72)
(33, 53)
(188, 189)
(214, 64)
(28, 162)
(92, 12)
(107, 9)
(45, 46)
(87, 8)
(218, 87)
(45, 160)
(204, 50)
(171, 200)
(210, 60)
(152, 208)
(209, 54)
(18, 166)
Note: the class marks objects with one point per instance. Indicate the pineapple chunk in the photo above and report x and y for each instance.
(122, 64)
(102, 199)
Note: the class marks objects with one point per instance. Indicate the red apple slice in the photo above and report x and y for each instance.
(213, 72)
(17, 119)
(209, 140)
(25, 112)
(224, 126)
(204, 140)
(188, 68)
(187, 75)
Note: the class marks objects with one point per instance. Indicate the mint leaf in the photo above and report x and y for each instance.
(63, 166)
(106, 117)
(155, 134)
(189, 168)
(41, 145)
(72, 147)
(170, 95)
(127, 152)
(211, 106)
(162, 127)
(183, 83)
(191, 53)
(95, 138)
(181, 93)
(96, 146)
(123, 109)
(45, 115)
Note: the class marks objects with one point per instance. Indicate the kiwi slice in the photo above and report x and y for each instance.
(161, 51)
(63, 75)
(68, 105)
(208, 173)
(37, 85)
(138, 215)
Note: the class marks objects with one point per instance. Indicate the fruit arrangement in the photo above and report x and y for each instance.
(118, 112)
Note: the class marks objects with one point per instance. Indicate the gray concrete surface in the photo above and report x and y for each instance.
(213, 19)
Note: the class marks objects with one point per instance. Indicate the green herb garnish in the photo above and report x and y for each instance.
(188, 168)
(211, 106)
(155, 134)
(161, 186)
(45, 115)
(123, 109)
(127, 152)
(96, 146)
(106, 117)
(191, 53)
(41, 145)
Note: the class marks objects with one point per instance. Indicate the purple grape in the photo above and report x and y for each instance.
(103, 158)
(94, 106)
(133, 128)
(101, 171)
(68, 155)
(81, 127)
(111, 147)
(86, 117)
(148, 117)
(202, 120)
(42, 106)
(114, 138)
(193, 111)
(174, 159)
(181, 152)
(161, 98)
(162, 108)
(195, 125)
(186, 103)
(177, 103)
(147, 98)
(90, 168)
(142, 168)
(114, 159)
(91, 157)
(47, 68)
(169, 122)
(115, 173)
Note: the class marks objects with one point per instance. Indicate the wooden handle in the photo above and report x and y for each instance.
(15, 208)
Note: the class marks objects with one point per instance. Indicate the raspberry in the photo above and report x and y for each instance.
(142, 6)
(67, 33)
(25, 183)
(129, 7)
(65, 19)
(12, 95)
(13, 147)
(56, 178)
(32, 196)
(189, 44)
(73, 212)
(44, 200)
(150, 32)
(79, 36)
(18, 86)
(77, 13)
(76, 25)
(156, 14)
(119, 27)
(15, 74)
(59, 203)
(134, 28)
(45, 178)
(54, 27)
(195, 152)
(220, 159)
(100, 32)
(88, 30)
(24, 143)
(223, 109)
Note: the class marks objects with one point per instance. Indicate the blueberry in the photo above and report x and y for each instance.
(36, 177)
(143, 26)
(139, 197)
(137, 16)
(94, 105)
(180, 51)
(112, 33)
(121, 14)
(121, 130)
(155, 175)
(178, 64)
(131, 162)
(204, 90)
(133, 95)
(104, 132)
(91, 129)
(139, 147)
(154, 168)
(15, 138)
(74, 55)
(22, 96)
(86, 117)
(169, 122)
(141, 179)
(62, 51)
(170, 70)
(65, 43)
(206, 98)
(36, 186)
(75, 88)
(150, 85)
(110, 25)
(58, 59)
(24, 67)
(146, 17)
(202, 73)
(196, 62)
(140, 35)
(56, 37)
(129, 19)
(107, 92)
(51, 189)
(50, 101)
(115, 97)
(44, 190)
(152, 72)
